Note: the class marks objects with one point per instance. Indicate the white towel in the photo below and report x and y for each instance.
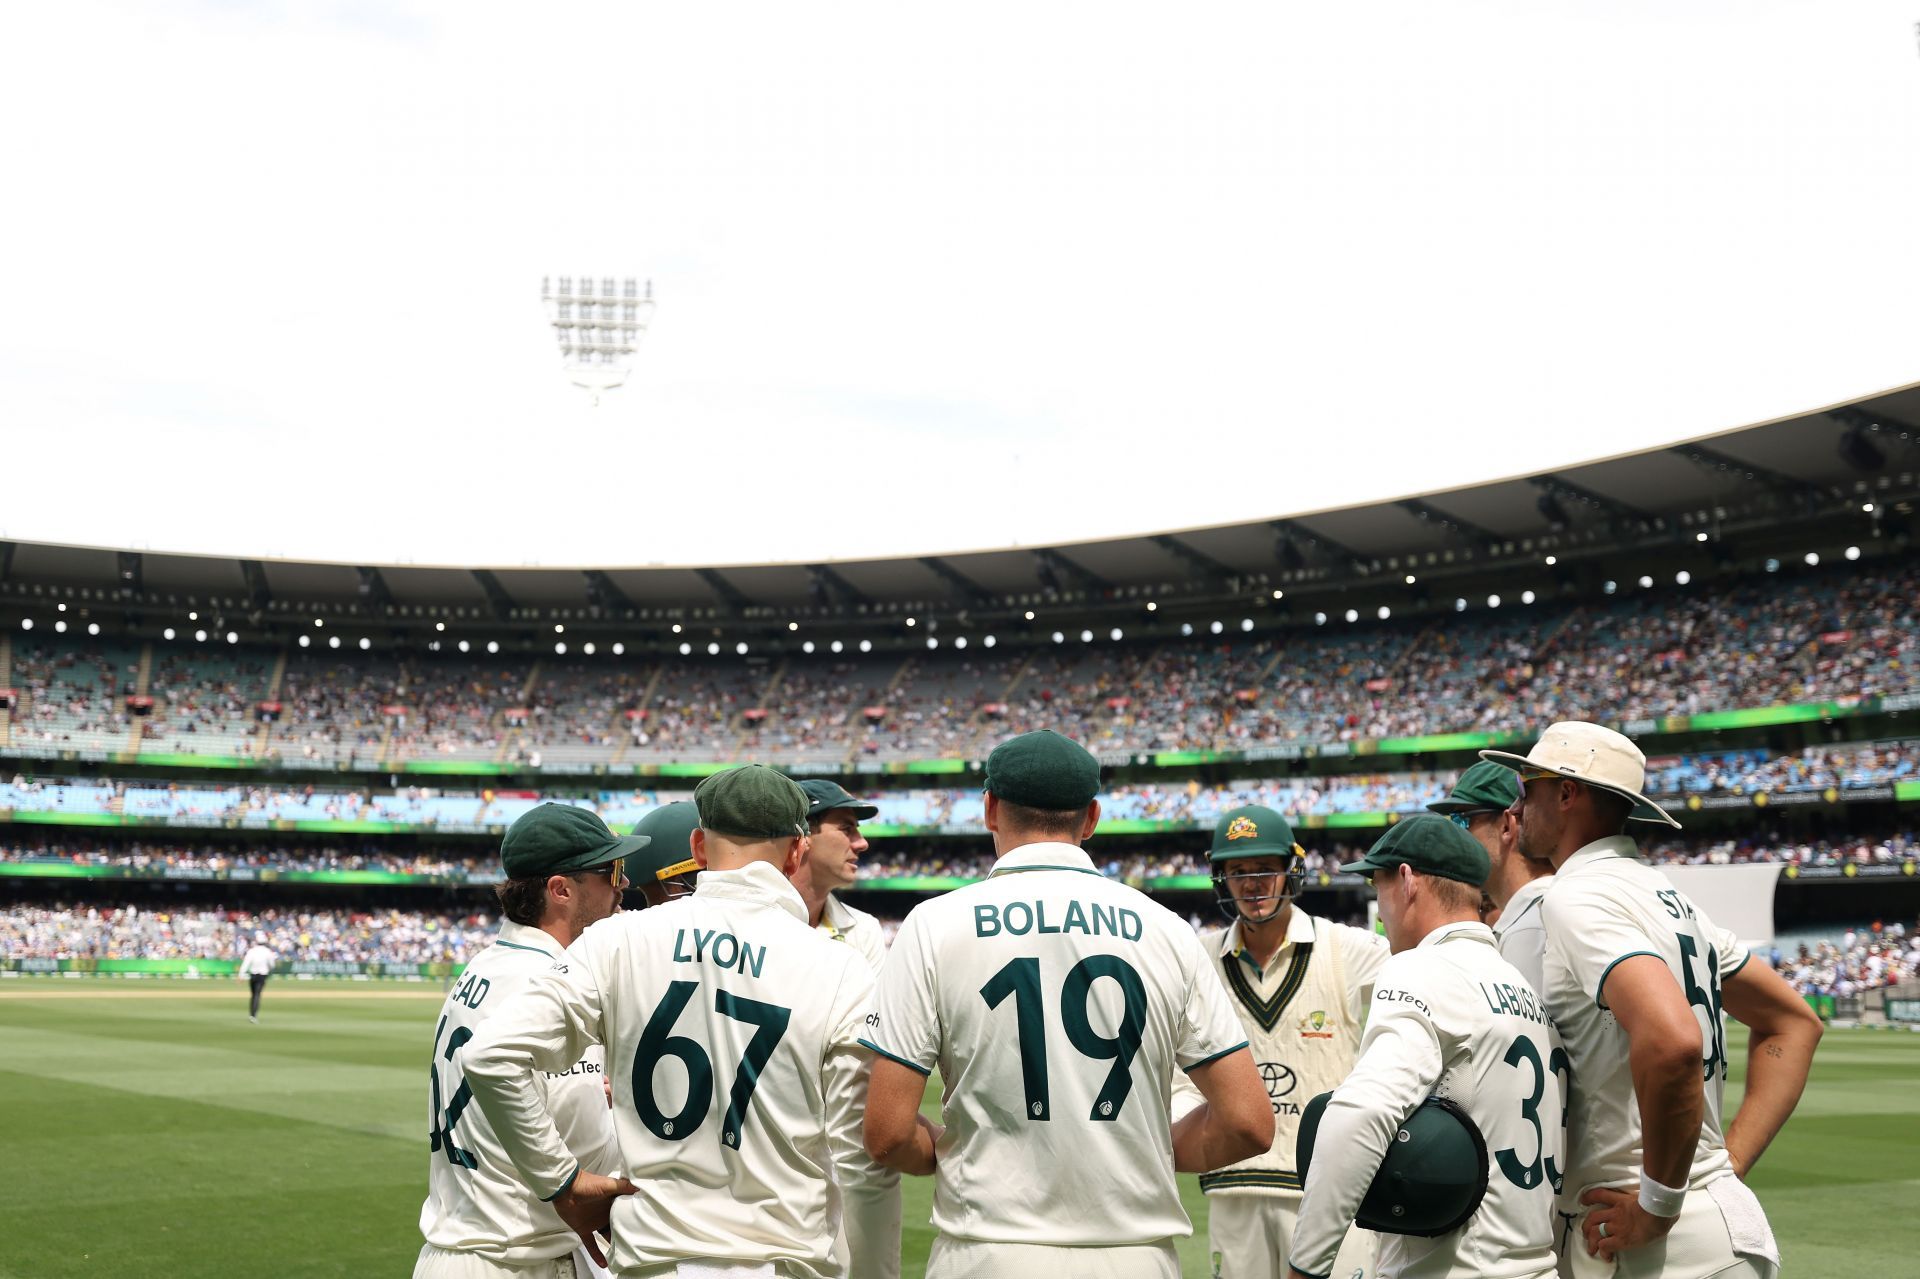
(1746, 1221)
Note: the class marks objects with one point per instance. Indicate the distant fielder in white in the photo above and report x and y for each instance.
(1636, 982)
(255, 969)
(732, 1038)
(564, 870)
(1056, 1004)
(1450, 1019)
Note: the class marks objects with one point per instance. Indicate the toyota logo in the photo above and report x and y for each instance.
(1279, 1079)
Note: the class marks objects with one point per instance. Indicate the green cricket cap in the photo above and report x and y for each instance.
(824, 796)
(752, 802)
(559, 839)
(1486, 786)
(1043, 770)
(1251, 831)
(671, 828)
(1431, 845)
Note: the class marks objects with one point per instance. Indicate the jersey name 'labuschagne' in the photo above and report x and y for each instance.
(1302, 1016)
(476, 1202)
(1606, 906)
(1056, 1004)
(732, 1036)
(1451, 1019)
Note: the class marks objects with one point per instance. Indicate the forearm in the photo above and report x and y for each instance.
(1777, 1067)
(914, 1154)
(1204, 1139)
(871, 1213)
(1672, 1100)
(1353, 1138)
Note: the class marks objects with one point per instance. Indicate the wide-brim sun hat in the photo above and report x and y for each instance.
(1589, 753)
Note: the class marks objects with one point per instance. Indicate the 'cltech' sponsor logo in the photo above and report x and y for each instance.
(1280, 1081)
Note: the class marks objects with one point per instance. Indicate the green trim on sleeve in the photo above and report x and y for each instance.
(1737, 967)
(565, 1186)
(1224, 1052)
(1310, 1274)
(514, 945)
(1600, 988)
(1250, 1179)
(910, 1065)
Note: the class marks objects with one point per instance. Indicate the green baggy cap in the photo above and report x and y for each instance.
(824, 796)
(1251, 831)
(1431, 845)
(1486, 786)
(752, 802)
(1043, 770)
(671, 828)
(559, 839)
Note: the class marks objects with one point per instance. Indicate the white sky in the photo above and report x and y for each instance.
(929, 278)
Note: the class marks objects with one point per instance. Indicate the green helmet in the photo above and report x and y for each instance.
(1432, 1179)
(1253, 831)
(669, 858)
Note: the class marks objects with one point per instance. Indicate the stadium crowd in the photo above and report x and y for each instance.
(1842, 768)
(1861, 960)
(1833, 635)
(74, 931)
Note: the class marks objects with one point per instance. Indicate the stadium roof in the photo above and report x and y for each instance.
(1790, 469)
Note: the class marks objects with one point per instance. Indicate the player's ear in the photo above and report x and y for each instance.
(993, 813)
(796, 856)
(699, 848)
(1091, 823)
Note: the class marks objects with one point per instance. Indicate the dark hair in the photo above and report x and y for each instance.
(1612, 809)
(524, 901)
(1064, 822)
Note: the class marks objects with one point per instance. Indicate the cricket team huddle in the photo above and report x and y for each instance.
(1523, 1077)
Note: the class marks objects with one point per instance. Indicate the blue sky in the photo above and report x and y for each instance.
(927, 280)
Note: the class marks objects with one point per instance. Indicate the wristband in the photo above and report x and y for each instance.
(1661, 1201)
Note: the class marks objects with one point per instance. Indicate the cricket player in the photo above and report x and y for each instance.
(256, 967)
(669, 870)
(731, 1032)
(1057, 1004)
(1300, 987)
(871, 1216)
(564, 870)
(1450, 1018)
(1637, 978)
(1478, 805)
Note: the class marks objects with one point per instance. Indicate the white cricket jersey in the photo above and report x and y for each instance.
(857, 928)
(870, 1192)
(1057, 1004)
(1450, 1018)
(1302, 1015)
(476, 1202)
(1605, 906)
(731, 1030)
(1521, 931)
(258, 963)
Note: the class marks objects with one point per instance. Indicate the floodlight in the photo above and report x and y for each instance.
(598, 331)
(1384, 613)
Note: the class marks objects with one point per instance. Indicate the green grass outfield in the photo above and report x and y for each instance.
(150, 1130)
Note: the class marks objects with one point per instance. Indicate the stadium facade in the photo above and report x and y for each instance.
(272, 735)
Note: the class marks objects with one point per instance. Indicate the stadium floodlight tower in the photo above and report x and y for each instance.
(598, 330)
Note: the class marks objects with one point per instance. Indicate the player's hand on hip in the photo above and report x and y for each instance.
(587, 1204)
(1618, 1222)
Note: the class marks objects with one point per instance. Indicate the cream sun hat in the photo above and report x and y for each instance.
(1591, 754)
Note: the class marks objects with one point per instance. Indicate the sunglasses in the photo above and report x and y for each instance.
(1465, 820)
(615, 871)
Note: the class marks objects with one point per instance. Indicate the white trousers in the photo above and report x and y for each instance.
(441, 1263)
(974, 1259)
(1250, 1236)
(1715, 1237)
